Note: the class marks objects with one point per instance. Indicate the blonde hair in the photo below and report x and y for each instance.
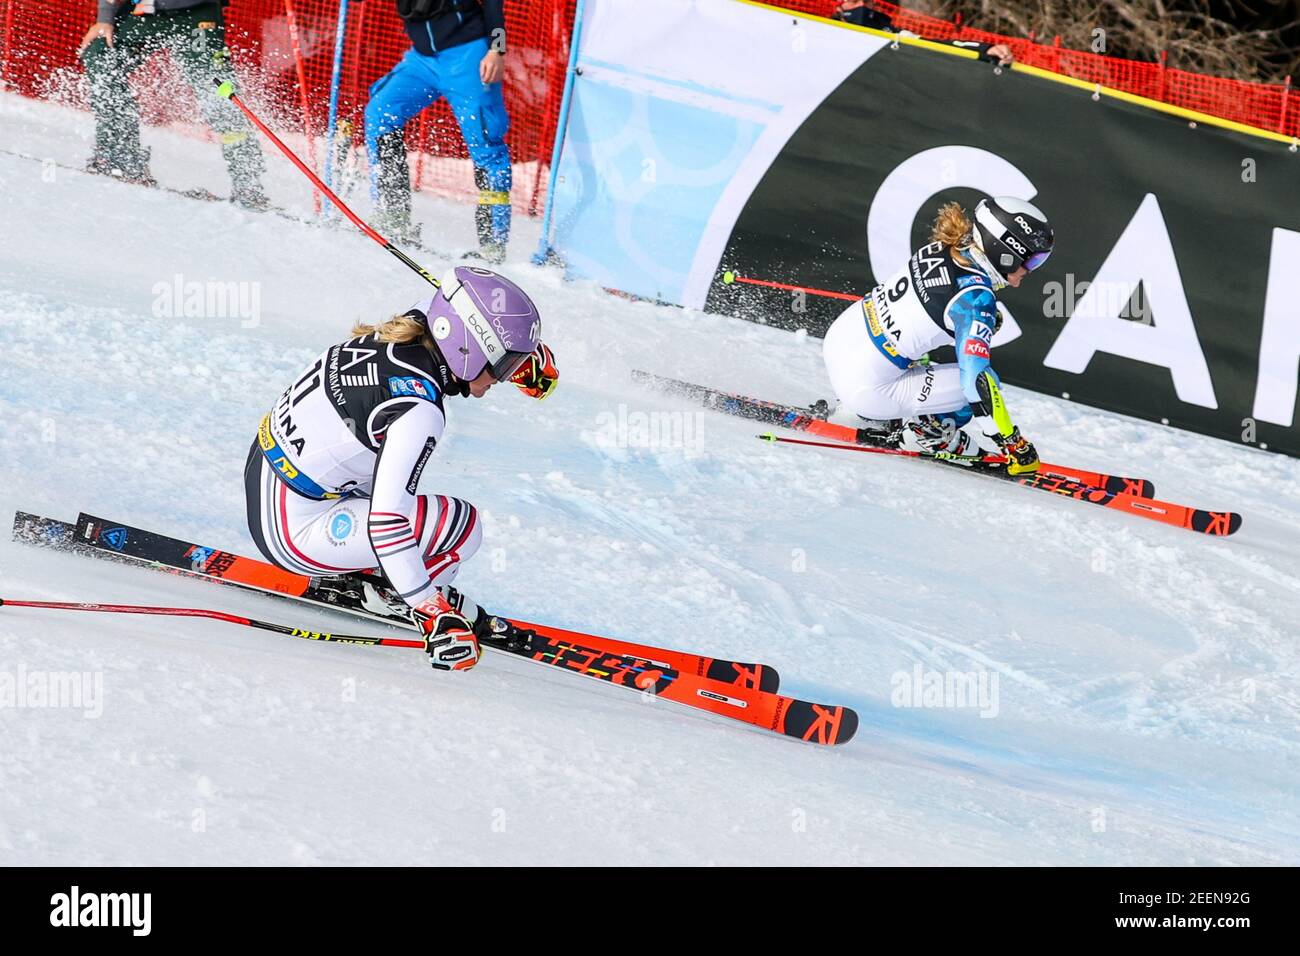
(953, 228)
(400, 330)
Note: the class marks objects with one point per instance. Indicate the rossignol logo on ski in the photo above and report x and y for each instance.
(115, 538)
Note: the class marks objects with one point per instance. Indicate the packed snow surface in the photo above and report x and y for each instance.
(1140, 683)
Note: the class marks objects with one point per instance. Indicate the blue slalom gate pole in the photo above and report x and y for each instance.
(544, 245)
(336, 79)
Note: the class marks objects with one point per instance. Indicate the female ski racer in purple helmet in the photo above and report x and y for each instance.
(332, 477)
(944, 295)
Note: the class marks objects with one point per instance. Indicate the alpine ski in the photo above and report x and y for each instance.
(814, 421)
(1165, 512)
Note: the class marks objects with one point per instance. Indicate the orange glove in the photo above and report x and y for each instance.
(538, 376)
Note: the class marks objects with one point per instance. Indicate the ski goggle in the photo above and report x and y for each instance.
(508, 364)
(1036, 259)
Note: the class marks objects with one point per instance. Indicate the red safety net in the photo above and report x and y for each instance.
(1265, 105)
(39, 40)
(38, 58)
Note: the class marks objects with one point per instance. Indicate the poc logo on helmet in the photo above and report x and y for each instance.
(1029, 230)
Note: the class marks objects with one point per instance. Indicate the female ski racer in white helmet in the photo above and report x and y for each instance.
(944, 295)
(332, 477)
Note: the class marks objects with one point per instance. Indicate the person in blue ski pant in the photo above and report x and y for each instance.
(457, 52)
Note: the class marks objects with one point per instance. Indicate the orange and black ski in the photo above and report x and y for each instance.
(617, 662)
(1165, 512)
(804, 720)
(813, 421)
(116, 540)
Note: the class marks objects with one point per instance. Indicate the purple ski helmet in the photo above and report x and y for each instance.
(483, 320)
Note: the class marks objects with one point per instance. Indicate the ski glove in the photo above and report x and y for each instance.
(448, 638)
(538, 376)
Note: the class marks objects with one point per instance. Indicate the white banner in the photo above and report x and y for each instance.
(679, 108)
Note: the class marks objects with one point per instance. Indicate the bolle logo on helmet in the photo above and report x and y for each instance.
(503, 332)
(487, 338)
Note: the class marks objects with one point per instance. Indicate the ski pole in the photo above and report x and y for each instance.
(227, 89)
(729, 277)
(216, 616)
(900, 452)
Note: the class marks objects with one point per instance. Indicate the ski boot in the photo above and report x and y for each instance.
(881, 433)
(395, 225)
(250, 196)
(367, 591)
(937, 436)
(490, 629)
(133, 169)
(493, 253)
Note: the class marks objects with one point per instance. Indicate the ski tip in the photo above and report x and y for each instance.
(818, 723)
(769, 680)
(848, 726)
(838, 729)
(1218, 523)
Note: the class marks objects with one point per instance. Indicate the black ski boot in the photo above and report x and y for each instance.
(881, 433)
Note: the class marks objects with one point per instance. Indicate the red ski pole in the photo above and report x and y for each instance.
(216, 616)
(729, 277)
(227, 89)
(871, 450)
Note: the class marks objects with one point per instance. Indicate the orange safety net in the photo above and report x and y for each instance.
(39, 40)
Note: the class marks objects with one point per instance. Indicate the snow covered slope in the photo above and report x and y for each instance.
(1142, 681)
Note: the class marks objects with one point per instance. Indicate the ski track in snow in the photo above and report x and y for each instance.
(1147, 699)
